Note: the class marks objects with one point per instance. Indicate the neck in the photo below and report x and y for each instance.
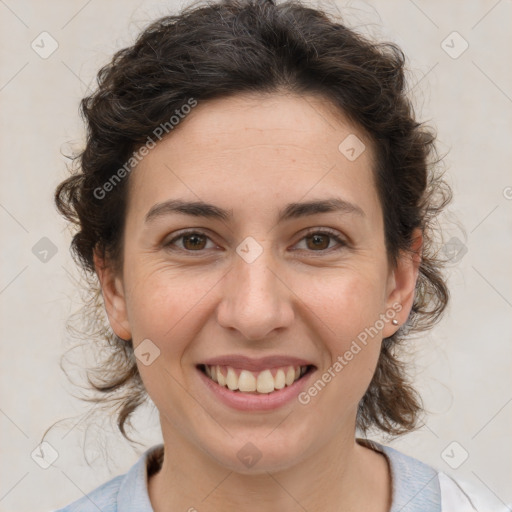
(343, 477)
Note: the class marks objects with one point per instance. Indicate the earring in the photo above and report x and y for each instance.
(394, 321)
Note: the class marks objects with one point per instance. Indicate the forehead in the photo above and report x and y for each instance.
(250, 151)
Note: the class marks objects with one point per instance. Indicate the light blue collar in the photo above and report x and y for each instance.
(133, 493)
(415, 485)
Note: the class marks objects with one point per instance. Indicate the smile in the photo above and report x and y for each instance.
(260, 382)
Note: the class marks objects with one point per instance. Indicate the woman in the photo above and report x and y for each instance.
(257, 201)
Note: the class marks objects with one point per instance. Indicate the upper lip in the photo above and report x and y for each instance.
(256, 364)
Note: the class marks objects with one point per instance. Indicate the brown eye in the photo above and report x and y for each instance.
(191, 241)
(318, 241)
(194, 241)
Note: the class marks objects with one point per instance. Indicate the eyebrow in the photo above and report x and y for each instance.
(291, 211)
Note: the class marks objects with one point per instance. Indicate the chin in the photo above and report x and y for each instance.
(258, 456)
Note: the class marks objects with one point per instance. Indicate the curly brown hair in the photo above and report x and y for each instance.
(219, 49)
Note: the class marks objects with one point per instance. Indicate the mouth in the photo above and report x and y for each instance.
(264, 382)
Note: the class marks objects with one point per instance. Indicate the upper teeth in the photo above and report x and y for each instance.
(265, 381)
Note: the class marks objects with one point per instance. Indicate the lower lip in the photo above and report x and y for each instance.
(255, 402)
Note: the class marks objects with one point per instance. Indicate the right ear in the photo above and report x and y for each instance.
(114, 297)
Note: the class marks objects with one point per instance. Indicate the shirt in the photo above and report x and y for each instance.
(416, 486)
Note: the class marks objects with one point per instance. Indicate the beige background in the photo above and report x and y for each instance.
(463, 366)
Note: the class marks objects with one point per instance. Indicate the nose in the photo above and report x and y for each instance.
(256, 299)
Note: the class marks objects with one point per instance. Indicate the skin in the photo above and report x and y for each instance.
(253, 155)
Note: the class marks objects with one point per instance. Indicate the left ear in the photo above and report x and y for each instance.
(402, 283)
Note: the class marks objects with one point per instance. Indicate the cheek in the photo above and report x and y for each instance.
(161, 304)
(168, 311)
(346, 302)
(346, 312)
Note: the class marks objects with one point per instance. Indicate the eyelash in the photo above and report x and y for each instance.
(324, 231)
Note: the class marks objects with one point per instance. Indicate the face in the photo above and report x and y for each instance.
(257, 276)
